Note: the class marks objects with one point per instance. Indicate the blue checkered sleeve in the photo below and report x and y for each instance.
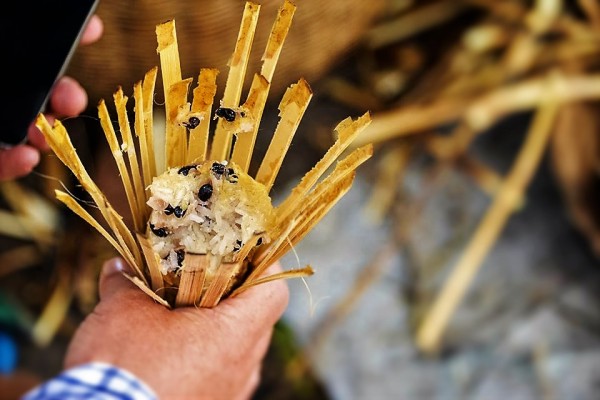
(93, 381)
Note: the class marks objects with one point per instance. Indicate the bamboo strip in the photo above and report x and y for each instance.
(266, 251)
(146, 153)
(221, 144)
(74, 206)
(58, 139)
(255, 103)
(259, 90)
(300, 226)
(176, 135)
(277, 37)
(148, 100)
(347, 131)
(144, 287)
(115, 149)
(168, 50)
(128, 146)
(123, 235)
(313, 214)
(204, 95)
(192, 280)
(319, 193)
(246, 249)
(156, 276)
(293, 273)
(291, 109)
(219, 284)
(430, 331)
(283, 246)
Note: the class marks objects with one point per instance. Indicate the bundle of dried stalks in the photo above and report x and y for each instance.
(186, 152)
(437, 74)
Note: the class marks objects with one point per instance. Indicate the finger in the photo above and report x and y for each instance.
(93, 30)
(276, 291)
(18, 161)
(68, 98)
(260, 305)
(35, 136)
(112, 280)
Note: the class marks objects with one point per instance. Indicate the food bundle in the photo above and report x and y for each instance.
(203, 228)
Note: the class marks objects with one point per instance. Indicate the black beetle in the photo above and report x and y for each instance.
(227, 114)
(205, 192)
(160, 232)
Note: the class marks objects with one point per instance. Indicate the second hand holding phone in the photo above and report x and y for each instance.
(39, 40)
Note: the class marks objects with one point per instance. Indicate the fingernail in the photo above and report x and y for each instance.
(113, 266)
(118, 265)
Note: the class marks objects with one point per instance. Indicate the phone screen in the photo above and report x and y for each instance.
(38, 40)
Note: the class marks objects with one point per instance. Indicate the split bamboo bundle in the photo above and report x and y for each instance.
(203, 228)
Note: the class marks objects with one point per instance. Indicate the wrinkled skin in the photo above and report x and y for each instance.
(186, 353)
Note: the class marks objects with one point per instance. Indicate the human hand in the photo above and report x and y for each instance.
(185, 353)
(67, 99)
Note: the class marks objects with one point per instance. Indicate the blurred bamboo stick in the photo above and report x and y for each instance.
(18, 258)
(54, 311)
(430, 332)
(414, 22)
(480, 113)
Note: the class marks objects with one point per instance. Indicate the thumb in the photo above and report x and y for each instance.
(112, 280)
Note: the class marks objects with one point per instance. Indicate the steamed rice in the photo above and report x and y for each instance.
(212, 208)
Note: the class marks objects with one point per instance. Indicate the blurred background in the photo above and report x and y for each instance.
(465, 261)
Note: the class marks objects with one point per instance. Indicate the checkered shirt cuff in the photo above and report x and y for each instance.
(93, 381)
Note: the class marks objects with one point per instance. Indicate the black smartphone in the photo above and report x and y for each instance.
(38, 40)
